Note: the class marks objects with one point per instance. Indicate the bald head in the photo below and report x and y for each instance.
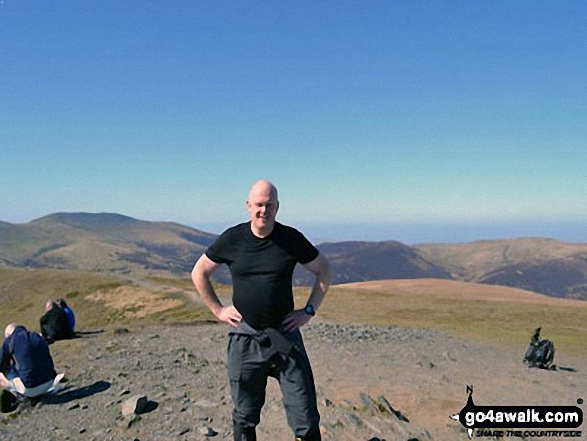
(10, 329)
(263, 188)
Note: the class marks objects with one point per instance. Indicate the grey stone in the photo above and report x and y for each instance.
(119, 331)
(207, 431)
(384, 406)
(368, 402)
(73, 406)
(131, 420)
(135, 405)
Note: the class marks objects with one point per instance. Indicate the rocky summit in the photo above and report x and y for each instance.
(169, 382)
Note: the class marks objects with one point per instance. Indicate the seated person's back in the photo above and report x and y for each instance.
(29, 355)
(54, 324)
(68, 312)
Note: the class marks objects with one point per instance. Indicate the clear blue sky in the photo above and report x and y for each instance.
(405, 120)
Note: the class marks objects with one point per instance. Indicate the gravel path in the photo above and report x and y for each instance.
(370, 380)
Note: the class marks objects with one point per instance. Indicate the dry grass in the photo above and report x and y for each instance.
(97, 300)
(456, 290)
(490, 314)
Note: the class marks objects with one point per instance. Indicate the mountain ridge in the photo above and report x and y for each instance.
(104, 242)
(119, 244)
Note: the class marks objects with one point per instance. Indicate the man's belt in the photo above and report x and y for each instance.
(272, 339)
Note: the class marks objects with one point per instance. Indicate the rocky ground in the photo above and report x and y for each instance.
(168, 382)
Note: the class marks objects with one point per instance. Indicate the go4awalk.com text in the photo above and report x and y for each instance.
(520, 421)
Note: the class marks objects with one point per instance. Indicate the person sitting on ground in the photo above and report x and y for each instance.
(68, 312)
(26, 366)
(54, 324)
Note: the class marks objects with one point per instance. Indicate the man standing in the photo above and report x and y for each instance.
(265, 339)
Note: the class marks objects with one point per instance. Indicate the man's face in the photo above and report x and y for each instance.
(263, 207)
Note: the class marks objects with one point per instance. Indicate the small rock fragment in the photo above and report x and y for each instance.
(207, 431)
(119, 331)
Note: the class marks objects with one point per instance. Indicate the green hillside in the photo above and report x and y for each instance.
(104, 242)
(98, 300)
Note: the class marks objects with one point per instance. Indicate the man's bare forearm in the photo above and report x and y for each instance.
(320, 288)
(321, 269)
(201, 273)
(298, 318)
(207, 293)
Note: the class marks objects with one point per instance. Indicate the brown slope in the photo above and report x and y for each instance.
(498, 315)
(458, 290)
(470, 261)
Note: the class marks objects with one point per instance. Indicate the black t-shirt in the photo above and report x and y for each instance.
(262, 270)
(55, 325)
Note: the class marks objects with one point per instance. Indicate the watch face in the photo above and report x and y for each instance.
(309, 309)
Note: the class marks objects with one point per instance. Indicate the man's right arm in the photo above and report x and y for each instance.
(203, 270)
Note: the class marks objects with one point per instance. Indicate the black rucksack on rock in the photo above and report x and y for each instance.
(540, 353)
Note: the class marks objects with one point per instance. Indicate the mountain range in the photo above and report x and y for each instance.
(118, 244)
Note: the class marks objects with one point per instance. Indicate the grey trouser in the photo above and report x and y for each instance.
(252, 357)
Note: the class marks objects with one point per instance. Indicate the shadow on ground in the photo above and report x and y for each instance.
(67, 396)
(150, 407)
(87, 334)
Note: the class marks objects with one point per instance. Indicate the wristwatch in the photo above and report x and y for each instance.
(309, 309)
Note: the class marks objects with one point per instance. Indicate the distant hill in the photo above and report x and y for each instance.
(113, 243)
(101, 242)
(117, 244)
(545, 266)
(362, 261)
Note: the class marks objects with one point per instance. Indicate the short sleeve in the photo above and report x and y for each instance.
(219, 251)
(302, 248)
(308, 252)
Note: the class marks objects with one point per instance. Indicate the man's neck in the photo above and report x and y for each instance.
(262, 232)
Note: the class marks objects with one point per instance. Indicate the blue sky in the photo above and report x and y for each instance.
(405, 120)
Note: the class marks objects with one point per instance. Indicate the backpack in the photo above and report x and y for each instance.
(540, 353)
(8, 401)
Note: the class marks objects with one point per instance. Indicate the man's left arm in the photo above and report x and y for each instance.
(298, 317)
(5, 357)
